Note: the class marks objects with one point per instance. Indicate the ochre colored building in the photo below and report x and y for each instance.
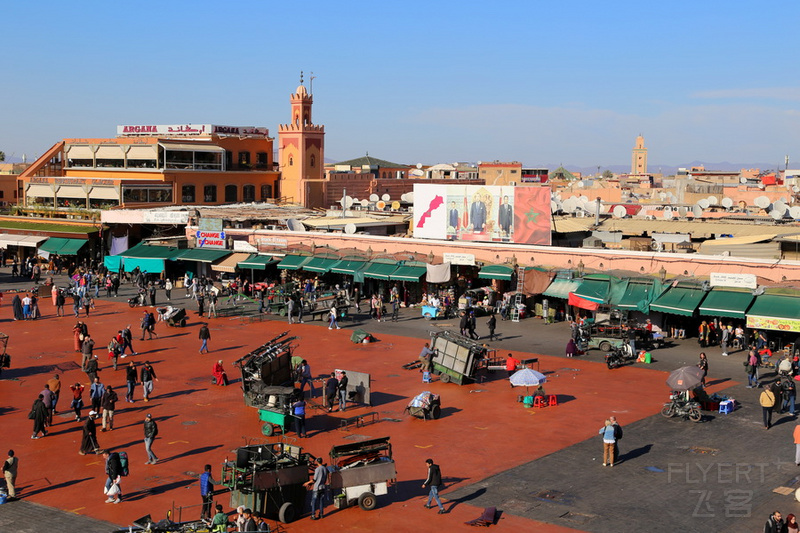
(301, 153)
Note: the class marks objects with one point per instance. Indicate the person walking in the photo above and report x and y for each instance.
(305, 377)
(77, 400)
(60, 301)
(201, 304)
(751, 367)
(433, 482)
(109, 403)
(96, 392)
(87, 348)
(607, 432)
(127, 341)
(299, 414)
(774, 523)
(767, 401)
(47, 398)
(168, 289)
(206, 492)
(725, 339)
(331, 391)
(150, 434)
(113, 469)
(204, 335)
(617, 436)
(212, 303)
(131, 378)
(702, 364)
(10, 466)
(144, 324)
(114, 349)
(471, 326)
(289, 308)
(39, 414)
(89, 435)
(796, 435)
(342, 386)
(318, 484)
(332, 318)
(147, 376)
(492, 325)
(55, 388)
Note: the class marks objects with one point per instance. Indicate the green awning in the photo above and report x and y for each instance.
(112, 262)
(349, 266)
(293, 262)
(636, 296)
(726, 303)
(380, 270)
(320, 264)
(148, 251)
(560, 288)
(775, 306)
(408, 273)
(502, 272)
(594, 290)
(145, 264)
(61, 246)
(257, 262)
(679, 300)
(203, 255)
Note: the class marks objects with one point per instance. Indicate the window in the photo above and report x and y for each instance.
(249, 193)
(244, 159)
(262, 161)
(187, 194)
(266, 192)
(228, 159)
(313, 160)
(291, 161)
(153, 194)
(231, 194)
(210, 193)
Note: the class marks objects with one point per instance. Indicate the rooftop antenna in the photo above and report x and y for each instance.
(311, 82)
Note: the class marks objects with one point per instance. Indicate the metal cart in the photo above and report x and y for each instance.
(457, 358)
(361, 472)
(425, 405)
(173, 316)
(276, 413)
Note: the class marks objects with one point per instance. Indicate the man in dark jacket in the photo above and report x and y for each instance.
(39, 414)
(343, 391)
(774, 524)
(331, 386)
(89, 441)
(108, 402)
(150, 434)
(113, 471)
(433, 482)
(204, 335)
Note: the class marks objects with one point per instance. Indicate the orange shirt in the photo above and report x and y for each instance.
(511, 363)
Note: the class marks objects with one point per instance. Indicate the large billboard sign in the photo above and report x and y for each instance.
(482, 213)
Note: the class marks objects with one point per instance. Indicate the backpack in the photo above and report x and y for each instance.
(123, 462)
(617, 432)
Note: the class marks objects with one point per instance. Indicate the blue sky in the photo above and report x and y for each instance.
(430, 82)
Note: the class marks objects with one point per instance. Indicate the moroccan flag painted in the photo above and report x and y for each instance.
(532, 215)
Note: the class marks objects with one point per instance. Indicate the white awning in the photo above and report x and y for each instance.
(149, 151)
(113, 151)
(104, 193)
(674, 238)
(75, 151)
(39, 190)
(30, 241)
(229, 263)
(71, 191)
(191, 147)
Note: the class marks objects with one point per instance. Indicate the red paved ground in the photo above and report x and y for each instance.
(483, 429)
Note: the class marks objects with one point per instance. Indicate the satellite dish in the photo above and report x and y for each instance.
(682, 211)
(395, 205)
(667, 208)
(779, 206)
(713, 200)
(619, 212)
(569, 205)
(795, 189)
(480, 163)
(373, 198)
(673, 199)
(295, 225)
(762, 202)
(580, 184)
(775, 214)
(794, 212)
(583, 198)
(667, 215)
(590, 207)
(761, 186)
(410, 197)
(381, 205)
(349, 228)
(364, 203)
(346, 202)
(697, 211)
(403, 197)
(553, 206)
(727, 203)
(742, 180)
(703, 203)
(419, 165)
(385, 197)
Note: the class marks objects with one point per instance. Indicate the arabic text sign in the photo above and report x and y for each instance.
(188, 129)
(780, 324)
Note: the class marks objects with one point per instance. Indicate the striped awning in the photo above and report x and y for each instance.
(230, 263)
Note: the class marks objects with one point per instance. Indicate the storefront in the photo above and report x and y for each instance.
(198, 260)
(779, 312)
(257, 264)
(727, 303)
(592, 293)
(632, 297)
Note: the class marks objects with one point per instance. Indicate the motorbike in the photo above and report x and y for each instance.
(618, 356)
(679, 406)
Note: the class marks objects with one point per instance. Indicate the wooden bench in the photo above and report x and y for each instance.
(359, 420)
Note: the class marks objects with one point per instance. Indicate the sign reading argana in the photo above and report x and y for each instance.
(188, 129)
(482, 213)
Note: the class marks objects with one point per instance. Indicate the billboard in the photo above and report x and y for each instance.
(485, 213)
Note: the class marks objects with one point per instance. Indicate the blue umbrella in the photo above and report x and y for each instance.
(527, 378)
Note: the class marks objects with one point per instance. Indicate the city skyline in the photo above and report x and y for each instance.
(418, 83)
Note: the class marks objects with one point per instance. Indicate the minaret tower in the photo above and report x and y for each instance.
(639, 158)
(301, 149)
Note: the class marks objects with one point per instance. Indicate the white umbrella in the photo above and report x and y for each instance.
(527, 378)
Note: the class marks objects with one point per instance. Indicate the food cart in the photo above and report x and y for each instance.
(457, 358)
(277, 412)
(361, 472)
(425, 405)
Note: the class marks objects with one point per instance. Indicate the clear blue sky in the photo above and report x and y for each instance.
(431, 82)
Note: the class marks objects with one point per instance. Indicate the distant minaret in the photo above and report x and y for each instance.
(639, 158)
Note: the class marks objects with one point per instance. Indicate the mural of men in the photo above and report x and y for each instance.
(453, 216)
(477, 214)
(505, 216)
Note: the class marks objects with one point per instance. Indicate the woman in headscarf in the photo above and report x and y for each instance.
(16, 304)
(78, 334)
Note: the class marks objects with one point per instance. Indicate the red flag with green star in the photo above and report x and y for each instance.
(532, 215)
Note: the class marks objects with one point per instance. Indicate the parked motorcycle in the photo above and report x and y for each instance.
(679, 406)
(618, 356)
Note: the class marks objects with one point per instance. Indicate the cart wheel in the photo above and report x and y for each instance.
(367, 501)
(605, 346)
(445, 378)
(183, 322)
(268, 430)
(286, 513)
(436, 412)
(131, 304)
(427, 315)
(283, 312)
